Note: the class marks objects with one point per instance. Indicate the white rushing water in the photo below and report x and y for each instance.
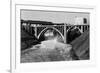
(50, 44)
(54, 43)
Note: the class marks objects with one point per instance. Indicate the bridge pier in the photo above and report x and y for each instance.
(65, 34)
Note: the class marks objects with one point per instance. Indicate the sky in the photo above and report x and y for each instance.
(52, 16)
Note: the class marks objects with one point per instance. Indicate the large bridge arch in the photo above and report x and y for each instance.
(53, 29)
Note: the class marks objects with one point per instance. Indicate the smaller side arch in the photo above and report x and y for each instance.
(75, 28)
(73, 33)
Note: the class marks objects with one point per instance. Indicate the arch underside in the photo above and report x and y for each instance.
(53, 29)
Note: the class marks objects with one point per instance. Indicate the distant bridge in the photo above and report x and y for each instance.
(62, 29)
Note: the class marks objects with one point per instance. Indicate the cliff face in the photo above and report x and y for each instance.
(81, 46)
(27, 40)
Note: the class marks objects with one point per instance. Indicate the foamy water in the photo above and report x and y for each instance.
(50, 44)
(54, 43)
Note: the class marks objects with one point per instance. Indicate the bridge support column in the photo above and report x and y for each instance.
(82, 29)
(65, 34)
(35, 29)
